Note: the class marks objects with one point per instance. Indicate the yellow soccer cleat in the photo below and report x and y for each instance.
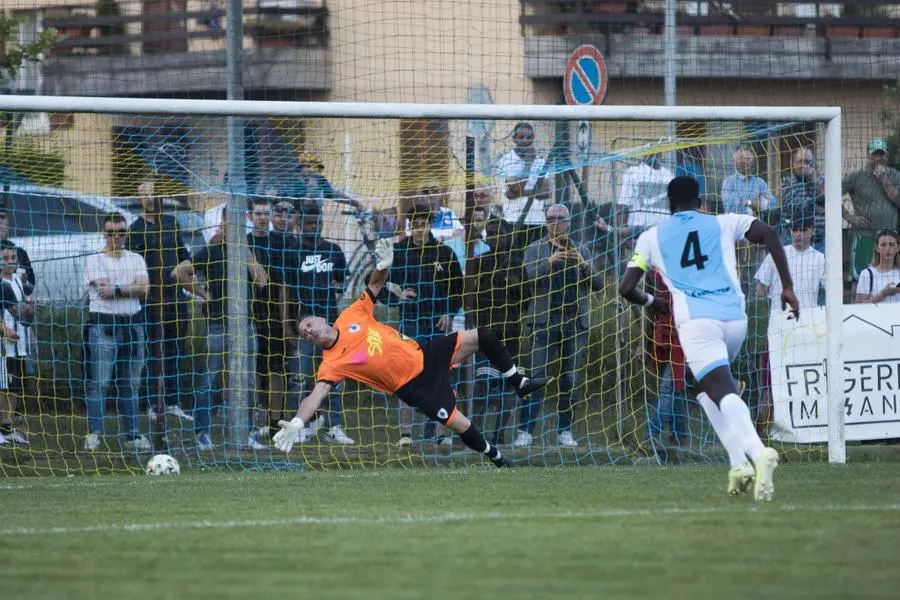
(740, 478)
(764, 488)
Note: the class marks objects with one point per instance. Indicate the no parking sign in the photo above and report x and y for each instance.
(586, 77)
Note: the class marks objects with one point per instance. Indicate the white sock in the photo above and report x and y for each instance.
(738, 416)
(725, 433)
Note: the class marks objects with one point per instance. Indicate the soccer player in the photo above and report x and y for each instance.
(359, 347)
(695, 254)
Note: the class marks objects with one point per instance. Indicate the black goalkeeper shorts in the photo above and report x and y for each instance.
(430, 391)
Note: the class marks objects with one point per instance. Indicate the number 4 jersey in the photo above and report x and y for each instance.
(695, 255)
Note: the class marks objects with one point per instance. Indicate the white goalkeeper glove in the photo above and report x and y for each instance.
(384, 254)
(289, 435)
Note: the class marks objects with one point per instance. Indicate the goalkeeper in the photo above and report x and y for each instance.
(359, 347)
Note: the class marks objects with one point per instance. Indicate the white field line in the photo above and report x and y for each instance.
(412, 519)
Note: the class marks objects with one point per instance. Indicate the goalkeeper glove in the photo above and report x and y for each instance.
(384, 254)
(289, 434)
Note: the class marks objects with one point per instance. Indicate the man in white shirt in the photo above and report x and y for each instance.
(522, 174)
(807, 267)
(643, 194)
(117, 281)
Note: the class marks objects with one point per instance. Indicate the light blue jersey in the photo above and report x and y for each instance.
(695, 254)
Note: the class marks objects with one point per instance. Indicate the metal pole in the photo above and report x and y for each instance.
(239, 383)
(671, 58)
(834, 293)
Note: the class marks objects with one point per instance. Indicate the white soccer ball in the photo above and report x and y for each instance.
(163, 464)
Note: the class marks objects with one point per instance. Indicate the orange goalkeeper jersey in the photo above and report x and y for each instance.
(369, 351)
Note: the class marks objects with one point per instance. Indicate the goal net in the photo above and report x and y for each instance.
(99, 377)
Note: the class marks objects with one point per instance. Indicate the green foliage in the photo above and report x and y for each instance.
(41, 166)
(891, 118)
(13, 55)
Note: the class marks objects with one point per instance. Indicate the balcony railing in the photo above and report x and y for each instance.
(135, 27)
(860, 19)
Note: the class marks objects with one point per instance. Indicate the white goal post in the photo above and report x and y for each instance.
(830, 116)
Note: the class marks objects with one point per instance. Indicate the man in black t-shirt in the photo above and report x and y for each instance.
(319, 271)
(157, 238)
(209, 265)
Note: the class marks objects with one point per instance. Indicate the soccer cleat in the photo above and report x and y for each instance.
(336, 435)
(405, 440)
(523, 439)
(4, 441)
(501, 462)
(139, 442)
(177, 411)
(764, 488)
(204, 444)
(565, 439)
(740, 478)
(254, 444)
(91, 442)
(531, 385)
(17, 437)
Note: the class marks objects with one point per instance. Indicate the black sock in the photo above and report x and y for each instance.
(472, 438)
(496, 352)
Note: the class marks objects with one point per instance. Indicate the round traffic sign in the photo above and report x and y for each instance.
(586, 77)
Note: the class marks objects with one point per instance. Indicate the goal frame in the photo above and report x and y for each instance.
(830, 116)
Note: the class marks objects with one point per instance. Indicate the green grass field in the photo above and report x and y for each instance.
(615, 532)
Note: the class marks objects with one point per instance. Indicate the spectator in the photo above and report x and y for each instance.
(312, 185)
(642, 202)
(524, 183)
(807, 267)
(668, 359)
(427, 280)
(563, 275)
(157, 239)
(495, 297)
(444, 222)
(743, 192)
(873, 193)
(210, 264)
(283, 219)
(880, 281)
(321, 272)
(690, 163)
(268, 310)
(26, 276)
(117, 282)
(803, 192)
(16, 313)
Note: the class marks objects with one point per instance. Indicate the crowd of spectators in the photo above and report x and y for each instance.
(508, 263)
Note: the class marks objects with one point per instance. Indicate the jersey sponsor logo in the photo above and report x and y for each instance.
(376, 344)
(704, 293)
(359, 358)
(354, 328)
(317, 263)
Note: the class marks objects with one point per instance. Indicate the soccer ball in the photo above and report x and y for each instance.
(163, 464)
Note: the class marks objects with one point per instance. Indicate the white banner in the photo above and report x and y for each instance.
(871, 352)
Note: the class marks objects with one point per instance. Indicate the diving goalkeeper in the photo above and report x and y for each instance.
(359, 347)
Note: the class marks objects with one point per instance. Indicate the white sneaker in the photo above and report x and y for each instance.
(254, 444)
(18, 437)
(764, 487)
(4, 441)
(315, 425)
(740, 478)
(336, 435)
(565, 439)
(523, 439)
(91, 442)
(405, 441)
(139, 442)
(177, 411)
(204, 444)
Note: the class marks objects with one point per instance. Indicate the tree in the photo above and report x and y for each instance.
(13, 54)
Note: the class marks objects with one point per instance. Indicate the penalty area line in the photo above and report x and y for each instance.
(412, 519)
